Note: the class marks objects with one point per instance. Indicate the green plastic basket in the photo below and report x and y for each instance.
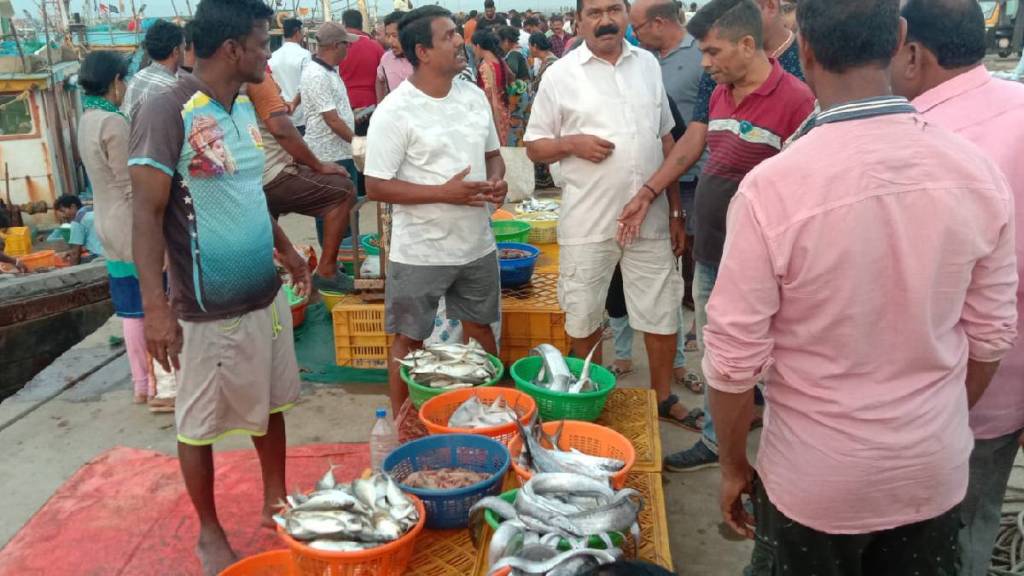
(511, 230)
(370, 249)
(586, 406)
(617, 538)
(419, 393)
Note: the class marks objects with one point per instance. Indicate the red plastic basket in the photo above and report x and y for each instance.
(435, 412)
(389, 559)
(588, 438)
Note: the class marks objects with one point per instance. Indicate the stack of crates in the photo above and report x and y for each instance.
(17, 241)
(359, 338)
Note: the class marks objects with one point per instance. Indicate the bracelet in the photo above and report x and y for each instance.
(654, 194)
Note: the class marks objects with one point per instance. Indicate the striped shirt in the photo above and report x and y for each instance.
(740, 136)
(151, 80)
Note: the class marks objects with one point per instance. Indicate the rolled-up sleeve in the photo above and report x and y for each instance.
(737, 340)
(990, 308)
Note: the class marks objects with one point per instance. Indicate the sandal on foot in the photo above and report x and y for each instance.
(619, 371)
(692, 382)
(691, 342)
(665, 411)
(694, 421)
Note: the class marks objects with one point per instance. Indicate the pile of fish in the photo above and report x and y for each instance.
(450, 366)
(475, 414)
(540, 460)
(348, 517)
(550, 508)
(536, 207)
(444, 478)
(555, 375)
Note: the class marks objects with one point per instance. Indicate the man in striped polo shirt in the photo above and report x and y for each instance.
(755, 108)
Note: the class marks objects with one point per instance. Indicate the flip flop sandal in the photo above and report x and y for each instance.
(618, 371)
(694, 421)
(692, 382)
(665, 412)
(691, 343)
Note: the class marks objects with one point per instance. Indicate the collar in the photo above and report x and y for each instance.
(158, 67)
(192, 84)
(327, 66)
(100, 103)
(686, 42)
(971, 80)
(866, 108)
(769, 84)
(357, 32)
(585, 55)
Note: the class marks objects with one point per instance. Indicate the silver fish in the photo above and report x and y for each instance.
(326, 500)
(475, 414)
(508, 538)
(557, 374)
(366, 492)
(327, 481)
(336, 545)
(583, 383)
(540, 567)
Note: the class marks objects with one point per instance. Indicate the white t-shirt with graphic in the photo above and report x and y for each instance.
(323, 91)
(416, 138)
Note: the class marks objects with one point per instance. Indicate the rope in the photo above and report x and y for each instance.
(1008, 554)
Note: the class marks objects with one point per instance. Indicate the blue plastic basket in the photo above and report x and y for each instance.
(450, 508)
(519, 271)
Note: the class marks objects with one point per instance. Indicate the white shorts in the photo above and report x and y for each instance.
(650, 277)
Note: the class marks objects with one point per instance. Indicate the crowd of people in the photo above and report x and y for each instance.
(831, 185)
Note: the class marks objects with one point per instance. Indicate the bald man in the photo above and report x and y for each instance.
(940, 70)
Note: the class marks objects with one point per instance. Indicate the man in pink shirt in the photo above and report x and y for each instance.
(940, 68)
(394, 67)
(869, 276)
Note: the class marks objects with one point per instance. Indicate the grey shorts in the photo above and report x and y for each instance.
(472, 293)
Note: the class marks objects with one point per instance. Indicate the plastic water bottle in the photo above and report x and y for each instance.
(383, 439)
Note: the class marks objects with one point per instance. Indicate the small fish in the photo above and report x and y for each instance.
(336, 545)
(475, 414)
(366, 492)
(327, 481)
(327, 500)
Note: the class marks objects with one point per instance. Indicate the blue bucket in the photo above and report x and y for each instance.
(515, 273)
(448, 509)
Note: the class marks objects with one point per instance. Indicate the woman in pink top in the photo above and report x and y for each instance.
(494, 77)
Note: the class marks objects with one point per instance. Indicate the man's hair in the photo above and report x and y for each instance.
(416, 28)
(189, 31)
(556, 18)
(515, 22)
(666, 10)
(352, 19)
(693, 6)
(161, 39)
(851, 33)
(99, 70)
(68, 201)
(508, 33)
(734, 19)
(531, 21)
(541, 41)
(394, 18)
(473, 13)
(488, 3)
(218, 21)
(291, 26)
(953, 30)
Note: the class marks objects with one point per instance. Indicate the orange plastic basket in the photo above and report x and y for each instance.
(37, 260)
(435, 412)
(273, 563)
(588, 438)
(389, 559)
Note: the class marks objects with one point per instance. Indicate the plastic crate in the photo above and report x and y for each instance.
(530, 315)
(359, 338)
(17, 241)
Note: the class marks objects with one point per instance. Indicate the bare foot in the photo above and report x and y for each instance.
(267, 516)
(214, 551)
(679, 373)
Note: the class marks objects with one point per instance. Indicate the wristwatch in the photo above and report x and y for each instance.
(678, 214)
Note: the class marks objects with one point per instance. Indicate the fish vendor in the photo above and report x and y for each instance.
(196, 159)
(433, 152)
(84, 240)
(864, 459)
(608, 217)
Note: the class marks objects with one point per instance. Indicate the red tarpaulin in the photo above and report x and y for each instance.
(127, 512)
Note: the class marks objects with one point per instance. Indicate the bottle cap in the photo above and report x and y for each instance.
(382, 412)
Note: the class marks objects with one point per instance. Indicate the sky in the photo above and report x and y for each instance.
(166, 7)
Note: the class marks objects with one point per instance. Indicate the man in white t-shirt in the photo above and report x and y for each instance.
(433, 152)
(287, 63)
(330, 123)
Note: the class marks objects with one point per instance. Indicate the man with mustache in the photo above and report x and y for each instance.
(433, 152)
(606, 153)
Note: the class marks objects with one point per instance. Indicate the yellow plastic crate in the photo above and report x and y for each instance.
(359, 338)
(633, 412)
(530, 315)
(17, 241)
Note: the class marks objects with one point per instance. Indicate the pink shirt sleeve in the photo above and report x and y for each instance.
(737, 340)
(990, 308)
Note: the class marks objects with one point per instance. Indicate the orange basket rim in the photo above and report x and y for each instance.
(484, 393)
(408, 538)
(37, 255)
(516, 445)
(261, 560)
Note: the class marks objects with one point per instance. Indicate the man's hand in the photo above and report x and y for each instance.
(677, 231)
(467, 193)
(499, 191)
(20, 267)
(590, 148)
(298, 270)
(737, 481)
(632, 217)
(163, 335)
(330, 168)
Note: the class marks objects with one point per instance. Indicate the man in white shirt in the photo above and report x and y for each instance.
(163, 44)
(433, 152)
(603, 113)
(287, 64)
(330, 122)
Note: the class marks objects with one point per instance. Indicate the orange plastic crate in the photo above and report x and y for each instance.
(530, 315)
(359, 338)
